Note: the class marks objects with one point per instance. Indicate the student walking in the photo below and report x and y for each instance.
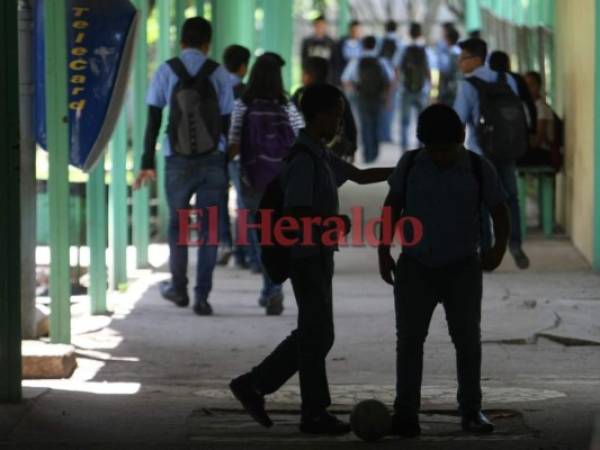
(370, 76)
(309, 183)
(200, 97)
(319, 44)
(349, 47)
(391, 49)
(415, 80)
(442, 185)
(488, 103)
(448, 53)
(263, 128)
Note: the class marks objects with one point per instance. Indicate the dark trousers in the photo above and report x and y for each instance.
(306, 348)
(417, 291)
(370, 114)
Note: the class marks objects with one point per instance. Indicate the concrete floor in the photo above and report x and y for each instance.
(153, 376)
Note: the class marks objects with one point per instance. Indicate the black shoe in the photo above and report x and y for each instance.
(168, 292)
(476, 423)
(223, 255)
(274, 306)
(325, 423)
(203, 308)
(405, 427)
(252, 400)
(521, 259)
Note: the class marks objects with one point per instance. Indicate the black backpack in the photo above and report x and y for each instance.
(372, 81)
(414, 68)
(388, 48)
(195, 117)
(276, 258)
(502, 129)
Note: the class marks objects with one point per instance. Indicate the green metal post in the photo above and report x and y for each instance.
(55, 29)
(343, 17)
(472, 15)
(233, 22)
(164, 53)
(141, 197)
(199, 8)
(10, 273)
(596, 251)
(118, 204)
(277, 33)
(96, 237)
(180, 7)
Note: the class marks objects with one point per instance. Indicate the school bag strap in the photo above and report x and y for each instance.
(177, 66)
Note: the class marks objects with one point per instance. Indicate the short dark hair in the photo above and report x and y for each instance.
(499, 61)
(317, 67)
(537, 77)
(196, 32)
(319, 18)
(391, 26)
(369, 42)
(415, 30)
(235, 56)
(439, 124)
(475, 46)
(453, 35)
(475, 34)
(354, 23)
(319, 98)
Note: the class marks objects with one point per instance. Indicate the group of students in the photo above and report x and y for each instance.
(296, 147)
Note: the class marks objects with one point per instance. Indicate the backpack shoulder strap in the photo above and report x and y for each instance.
(177, 66)
(477, 83)
(207, 69)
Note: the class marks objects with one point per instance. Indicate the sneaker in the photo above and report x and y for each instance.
(168, 292)
(521, 259)
(252, 401)
(223, 255)
(405, 427)
(325, 423)
(476, 423)
(274, 305)
(203, 308)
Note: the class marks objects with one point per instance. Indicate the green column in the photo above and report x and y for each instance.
(164, 53)
(343, 17)
(199, 7)
(10, 263)
(233, 22)
(96, 237)
(596, 253)
(472, 15)
(141, 198)
(118, 204)
(55, 29)
(278, 31)
(180, 7)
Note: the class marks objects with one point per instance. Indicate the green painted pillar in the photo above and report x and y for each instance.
(180, 7)
(118, 204)
(233, 23)
(278, 32)
(96, 237)
(199, 7)
(141, 197)
(343, 19)
(55, 36)
(10, 264)
(472, 15)
(596, 252)
(164, 53)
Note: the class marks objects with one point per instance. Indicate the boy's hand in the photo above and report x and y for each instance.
(491, 259)
(387, 266)
(144, 177)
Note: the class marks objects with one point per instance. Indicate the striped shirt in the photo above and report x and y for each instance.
(237, 120)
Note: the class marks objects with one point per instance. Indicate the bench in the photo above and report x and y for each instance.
(545, 185)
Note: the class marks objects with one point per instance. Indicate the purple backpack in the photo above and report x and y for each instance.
(267, 136)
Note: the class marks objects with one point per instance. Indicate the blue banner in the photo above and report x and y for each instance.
(100, 42)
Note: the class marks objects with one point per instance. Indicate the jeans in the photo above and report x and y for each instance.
(242, 253)
(202, 176)
(306, 348)
(417, 291)
(370, 115)
(387, 117)
(507, 173)
(252, 201)
(410, 101)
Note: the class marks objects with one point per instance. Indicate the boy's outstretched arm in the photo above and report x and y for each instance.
(369, 176)
(387, 265)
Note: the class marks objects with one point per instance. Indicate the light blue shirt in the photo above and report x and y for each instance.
(351, 49)
(467, 103)
(164, 81)
(350, 74)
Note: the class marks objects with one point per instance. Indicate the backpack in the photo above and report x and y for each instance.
(267, 136)
(276, 258)
(195, 117)
(449, 81)
(414, 68)
(388, 49)
(372, 81)
(502, 129)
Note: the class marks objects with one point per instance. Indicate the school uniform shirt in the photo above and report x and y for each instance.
(351, 74)
(322, 47)
(351, 49)
(447, 201)
(466, 103)
(164, 81)
(239, 111)
(312, 181)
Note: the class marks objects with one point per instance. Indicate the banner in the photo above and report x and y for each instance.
(100, 44)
